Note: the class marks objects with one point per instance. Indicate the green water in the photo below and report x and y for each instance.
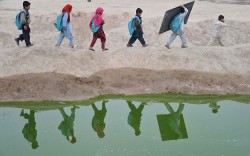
(118, 127)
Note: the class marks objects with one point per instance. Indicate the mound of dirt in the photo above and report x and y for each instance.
(56, 86)
(32, 73)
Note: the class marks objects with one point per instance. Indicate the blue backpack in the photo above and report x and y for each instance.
(18, 21)
(59, 23)
(175, 24)
(131, 28)
(94, 28)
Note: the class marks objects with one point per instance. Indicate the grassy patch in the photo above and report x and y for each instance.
(148, 98)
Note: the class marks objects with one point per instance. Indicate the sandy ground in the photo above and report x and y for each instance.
(44, 72)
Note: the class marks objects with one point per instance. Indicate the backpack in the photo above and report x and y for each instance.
(175, 23)
(18, 21)
(94, 28)
(59, 23)
(131, 28)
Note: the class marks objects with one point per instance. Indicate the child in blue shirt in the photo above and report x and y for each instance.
(66, 31)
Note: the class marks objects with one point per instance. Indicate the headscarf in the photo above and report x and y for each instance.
(97, 17)
(67, 9)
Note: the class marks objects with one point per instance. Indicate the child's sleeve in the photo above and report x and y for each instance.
(28, 21)
(65, 19)
(22, 18)
(223, 24)
(185, 13)
(137, 23)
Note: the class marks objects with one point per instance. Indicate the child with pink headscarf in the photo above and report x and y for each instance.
(95, 25)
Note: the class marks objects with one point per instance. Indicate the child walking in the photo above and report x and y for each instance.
(180, 31)
(66, 31)
(138, 33)
(25, 20)
(96, 26)
(216, 36)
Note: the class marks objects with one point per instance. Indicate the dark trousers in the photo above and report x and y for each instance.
(25, 35)
(138, 34)
(99, 34)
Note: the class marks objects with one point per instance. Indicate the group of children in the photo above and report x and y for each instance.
(96, 26)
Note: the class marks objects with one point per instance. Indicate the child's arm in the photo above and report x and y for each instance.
(28, 21)
(22, 18)
(220, 24)
(186, 11)
(137, 23)
(223, 24)
(65, 20)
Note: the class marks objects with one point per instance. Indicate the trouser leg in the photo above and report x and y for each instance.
(71, 39)
(140, 37)
(93, 41)
(103, 38)
(211, 41)
(131, 106)
(26, 35)
(132, 39)
(183, 39)
(220, 41)
(60, 38)
(21, 37)
(171, 38)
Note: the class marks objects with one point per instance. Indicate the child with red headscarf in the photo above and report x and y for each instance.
(66, 31)
(96, 25)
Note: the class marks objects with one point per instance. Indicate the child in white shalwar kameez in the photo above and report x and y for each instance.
(180, 31)
(216, 36)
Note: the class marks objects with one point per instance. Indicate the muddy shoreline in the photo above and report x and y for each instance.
(128, 81)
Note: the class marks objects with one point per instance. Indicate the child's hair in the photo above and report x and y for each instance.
(182, 10)
(220, 17)
(138, 10)
(26, 3)
(215, 110)
(73, 140)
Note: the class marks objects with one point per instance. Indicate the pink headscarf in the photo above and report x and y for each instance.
(97, 17)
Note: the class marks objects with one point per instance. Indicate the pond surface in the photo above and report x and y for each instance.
(119, 127)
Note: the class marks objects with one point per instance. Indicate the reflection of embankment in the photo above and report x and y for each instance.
(212, 100)
(54, 86)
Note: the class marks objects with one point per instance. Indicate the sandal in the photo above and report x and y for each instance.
(73, 46)
(91, 49)
(104, 49)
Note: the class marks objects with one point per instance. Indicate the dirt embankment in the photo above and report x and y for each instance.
(56, 86)
(197, 69)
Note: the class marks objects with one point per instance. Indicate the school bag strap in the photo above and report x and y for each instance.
(136, 17)
(18, 22)
(131, 27)
(94, 28)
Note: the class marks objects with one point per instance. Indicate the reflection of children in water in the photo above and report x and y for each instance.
(67, 125)
(174, 121)
(214, 107)
(29, 130)
(134, 117)
(98, 123)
